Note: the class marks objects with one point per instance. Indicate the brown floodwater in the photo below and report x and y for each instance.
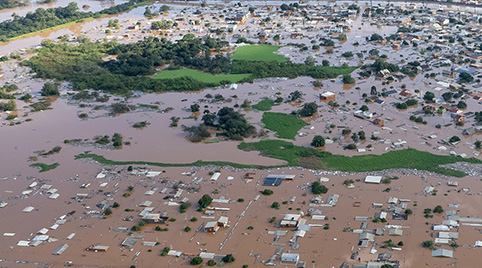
(160, 143)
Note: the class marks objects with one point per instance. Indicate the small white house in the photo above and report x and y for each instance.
(291, 258)
(373, 179)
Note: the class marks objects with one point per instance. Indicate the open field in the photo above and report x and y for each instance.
(264, 105)
(200, 76)
(286, 126)
(258, 53)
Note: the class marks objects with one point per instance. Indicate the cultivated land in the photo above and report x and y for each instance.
(200, 76)
(76, 164)
(258, 53)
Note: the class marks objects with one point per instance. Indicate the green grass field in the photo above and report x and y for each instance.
(264, 105)
(44, 167)
(334, 71)
(200, 76)
(286, 126)
(312, 158)
(408, 158)
(258, 53)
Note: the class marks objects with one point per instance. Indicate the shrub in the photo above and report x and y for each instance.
(454, 139)
(347, 182)
(428, 244)
(350, 147)
(438, 209)
(50, 89)
(196, 260)
(205, 201)
(317, 188)
(267, 192)
(119, 108)
(478, 144)
(140, 124)
(184, 206)
(195, 108)
(347, 79)
(346, 131)
(165, 250)
(187, 229)
(275, 205)
(318, 141)
(107, 212)
(308, 109)
(211, 263)
(228, 258)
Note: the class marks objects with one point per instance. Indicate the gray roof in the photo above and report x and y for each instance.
(442, 253)
(129, 242)
(61, 249)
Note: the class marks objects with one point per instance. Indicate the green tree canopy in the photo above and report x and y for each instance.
(318, 141)
(50, 89)
(318, 188)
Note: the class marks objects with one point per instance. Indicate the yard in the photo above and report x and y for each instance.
(286, 126)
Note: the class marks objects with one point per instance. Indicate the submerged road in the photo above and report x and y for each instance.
(236, 224)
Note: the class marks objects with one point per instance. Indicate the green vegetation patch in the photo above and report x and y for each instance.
(264, 105)
(286, 126)
(283, 150)
(309, 157)
(408, 158)
(44, 167)
(200, 76)
(258, 53)
(264, 69)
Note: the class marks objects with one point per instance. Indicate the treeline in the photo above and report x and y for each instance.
(10, 4)
(84, 67)
(228, 123)
(40, 19)
(142, 57)
(46, 18)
